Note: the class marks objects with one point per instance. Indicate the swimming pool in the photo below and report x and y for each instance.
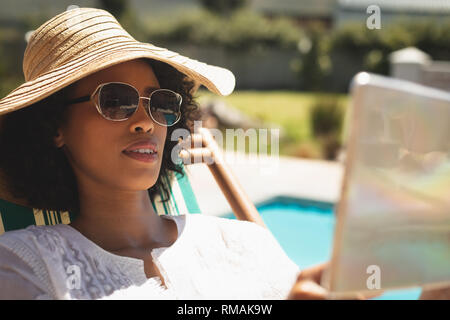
(305, 231)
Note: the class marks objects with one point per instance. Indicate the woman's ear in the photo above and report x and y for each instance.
(59, 139)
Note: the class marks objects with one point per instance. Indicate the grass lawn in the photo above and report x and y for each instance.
(288, 109)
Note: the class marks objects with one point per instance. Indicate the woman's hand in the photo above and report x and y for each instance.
(435, 294)
(198, 148)
(308, 286)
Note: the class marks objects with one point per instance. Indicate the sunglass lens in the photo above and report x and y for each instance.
(118, 101)
(165, 106)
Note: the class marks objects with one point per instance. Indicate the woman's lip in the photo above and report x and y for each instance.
(142, 144)
(144, 157)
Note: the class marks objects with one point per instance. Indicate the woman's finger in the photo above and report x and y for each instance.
(314, 273)
(307, 290)
(197, 155)
(195, 140)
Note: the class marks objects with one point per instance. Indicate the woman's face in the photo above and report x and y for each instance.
(94, 145)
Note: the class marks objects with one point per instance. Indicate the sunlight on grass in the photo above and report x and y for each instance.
(287, 109)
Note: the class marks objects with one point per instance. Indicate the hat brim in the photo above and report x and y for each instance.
(218, 80)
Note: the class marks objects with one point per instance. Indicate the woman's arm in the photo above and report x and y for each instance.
(15, 287)
(435, 294)
(308, 286)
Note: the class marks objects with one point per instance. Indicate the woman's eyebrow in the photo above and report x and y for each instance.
(149, 90)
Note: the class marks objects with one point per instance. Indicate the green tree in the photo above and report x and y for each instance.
(223, 6)
(327, 117)
(313, 64)
(116, 7)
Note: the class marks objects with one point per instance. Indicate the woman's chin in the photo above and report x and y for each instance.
(136, 182)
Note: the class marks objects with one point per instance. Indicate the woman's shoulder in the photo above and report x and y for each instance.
(19, 268)
(29, 234)
(15, 238)
(26, 256)
(32, 242)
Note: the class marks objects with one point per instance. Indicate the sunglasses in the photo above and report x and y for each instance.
(118, 101)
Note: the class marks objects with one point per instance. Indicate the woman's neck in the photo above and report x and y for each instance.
(120, 221)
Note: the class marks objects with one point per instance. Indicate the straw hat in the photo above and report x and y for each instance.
(82, 41)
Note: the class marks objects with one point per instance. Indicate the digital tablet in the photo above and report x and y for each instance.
(393, 216)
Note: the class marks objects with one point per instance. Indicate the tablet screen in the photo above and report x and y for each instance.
(393, 218)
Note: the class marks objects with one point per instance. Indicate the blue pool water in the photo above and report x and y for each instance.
(305, 231)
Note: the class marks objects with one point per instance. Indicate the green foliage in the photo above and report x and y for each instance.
(372, 47)
(116, 7)
(313, 64)
(337, 56)
(291, 112)
(32, 20)
(327, 117)
(223, 6)
(242, 30)
(12, 46)
(2, 73)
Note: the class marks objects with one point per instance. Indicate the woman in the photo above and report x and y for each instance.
(83, 138)
(77, 137)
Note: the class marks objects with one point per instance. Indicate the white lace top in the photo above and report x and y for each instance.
(212, 258)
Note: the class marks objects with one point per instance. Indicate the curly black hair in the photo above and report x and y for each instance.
(38, 172)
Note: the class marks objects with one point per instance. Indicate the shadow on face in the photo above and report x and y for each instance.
(94, 145)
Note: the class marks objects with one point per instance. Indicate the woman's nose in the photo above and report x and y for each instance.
(141, 120)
